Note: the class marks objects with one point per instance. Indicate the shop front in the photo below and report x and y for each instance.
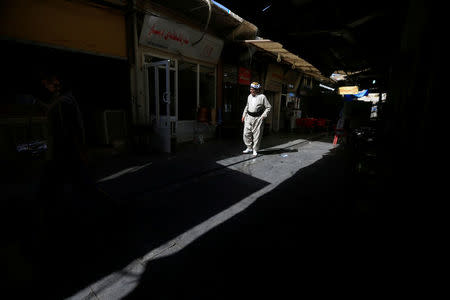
(282, 84)
(86, 45)
(240, 68)
(275, 89)
(177, 98)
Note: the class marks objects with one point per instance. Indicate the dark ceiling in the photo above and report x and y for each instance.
(332, 35)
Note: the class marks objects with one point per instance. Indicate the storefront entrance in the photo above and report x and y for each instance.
(177, 92)
(161, 101)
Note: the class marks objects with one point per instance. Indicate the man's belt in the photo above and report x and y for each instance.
(255, 114)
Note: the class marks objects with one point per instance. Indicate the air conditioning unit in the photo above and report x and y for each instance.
(113, 126)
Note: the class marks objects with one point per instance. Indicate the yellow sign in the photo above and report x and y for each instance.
(69, 24)
(348, 90)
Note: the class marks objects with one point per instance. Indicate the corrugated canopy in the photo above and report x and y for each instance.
(300, 64)
(224, 23)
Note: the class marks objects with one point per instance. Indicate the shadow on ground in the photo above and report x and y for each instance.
(277, 151)
(292, 242)
(92, 235)
(85, 235)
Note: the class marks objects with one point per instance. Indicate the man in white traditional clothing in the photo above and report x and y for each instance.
(256, 110)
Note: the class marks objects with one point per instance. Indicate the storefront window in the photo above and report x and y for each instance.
(157, 85)
(187, 91)
(207, 87)
(162, 89)
(192, 93)
(151, 91)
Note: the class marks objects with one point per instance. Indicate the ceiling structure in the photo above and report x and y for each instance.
(296, 62)
(226, 25)
(356, 37)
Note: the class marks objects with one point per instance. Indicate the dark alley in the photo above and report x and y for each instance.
(201, 149)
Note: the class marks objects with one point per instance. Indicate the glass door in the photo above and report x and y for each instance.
(159, 100)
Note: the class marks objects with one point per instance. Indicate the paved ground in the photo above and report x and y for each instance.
(210, 222)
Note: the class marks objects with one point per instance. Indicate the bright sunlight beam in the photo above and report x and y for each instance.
(279, 163)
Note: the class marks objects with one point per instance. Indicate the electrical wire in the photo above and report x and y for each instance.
(207, 23)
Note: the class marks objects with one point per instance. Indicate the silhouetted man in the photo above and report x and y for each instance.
(65, 177)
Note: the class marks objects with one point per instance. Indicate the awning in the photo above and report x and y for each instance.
(296, 62)
(224, 23)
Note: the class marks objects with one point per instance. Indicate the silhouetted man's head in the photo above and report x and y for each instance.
(47, 77)
(51, 82)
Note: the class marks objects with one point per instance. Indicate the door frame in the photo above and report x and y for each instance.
(164, 128)
(174, 84)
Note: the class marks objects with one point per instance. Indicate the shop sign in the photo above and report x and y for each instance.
(244, 76)
(371, 97)
(168, 35)
(348, 90)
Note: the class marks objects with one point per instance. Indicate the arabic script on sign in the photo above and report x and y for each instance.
(167, 35)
